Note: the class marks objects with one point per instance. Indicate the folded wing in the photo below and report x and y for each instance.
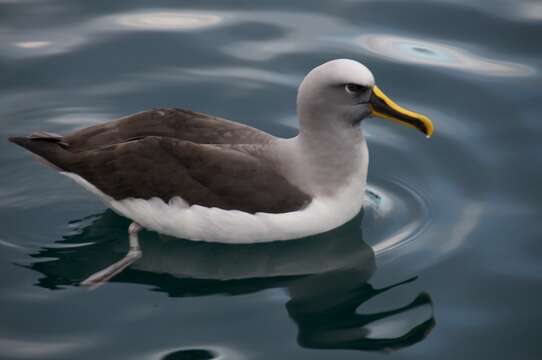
(146, 167)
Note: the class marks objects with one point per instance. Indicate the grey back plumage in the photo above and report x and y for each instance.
(173, 123)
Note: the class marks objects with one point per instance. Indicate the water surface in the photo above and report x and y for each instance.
(443, 263)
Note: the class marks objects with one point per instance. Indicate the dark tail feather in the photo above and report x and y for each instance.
(48, 147)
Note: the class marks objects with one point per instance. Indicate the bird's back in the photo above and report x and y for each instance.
(174, 123)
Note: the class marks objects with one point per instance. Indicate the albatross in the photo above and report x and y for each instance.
(200, 177)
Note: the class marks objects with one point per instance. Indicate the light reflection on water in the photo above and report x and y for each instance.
(315, 31)
(54, 41)
(32, 44)
(430, 53)
(167, 20)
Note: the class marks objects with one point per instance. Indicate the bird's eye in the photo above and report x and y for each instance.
(354, 88)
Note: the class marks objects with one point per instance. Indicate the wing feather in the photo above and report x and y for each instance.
(202, 174)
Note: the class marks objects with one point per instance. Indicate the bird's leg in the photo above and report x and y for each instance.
(109, 272)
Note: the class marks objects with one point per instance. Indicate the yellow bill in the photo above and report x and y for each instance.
(383, 107)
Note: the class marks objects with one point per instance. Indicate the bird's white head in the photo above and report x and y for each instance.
(341, 93)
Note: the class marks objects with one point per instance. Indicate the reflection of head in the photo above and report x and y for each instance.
(330, 320)
(326, 276)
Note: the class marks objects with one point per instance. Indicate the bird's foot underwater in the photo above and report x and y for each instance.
(134, 253)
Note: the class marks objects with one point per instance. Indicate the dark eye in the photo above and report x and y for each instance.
(354, 88)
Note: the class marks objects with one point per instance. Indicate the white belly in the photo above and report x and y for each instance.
(195, 222)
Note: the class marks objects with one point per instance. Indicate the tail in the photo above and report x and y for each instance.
(49, 148)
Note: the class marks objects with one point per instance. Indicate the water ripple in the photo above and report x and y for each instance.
(399, 213)
(198, 353)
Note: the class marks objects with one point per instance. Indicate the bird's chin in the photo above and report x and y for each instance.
(360, 116)
(357, 122)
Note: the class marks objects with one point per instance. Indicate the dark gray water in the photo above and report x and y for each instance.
(444, 263)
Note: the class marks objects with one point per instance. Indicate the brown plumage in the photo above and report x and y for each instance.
(172, 152)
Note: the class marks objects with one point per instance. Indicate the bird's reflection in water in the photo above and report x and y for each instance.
(326, 277)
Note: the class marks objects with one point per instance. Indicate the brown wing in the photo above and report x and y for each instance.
(207, 175)
(175, 123)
